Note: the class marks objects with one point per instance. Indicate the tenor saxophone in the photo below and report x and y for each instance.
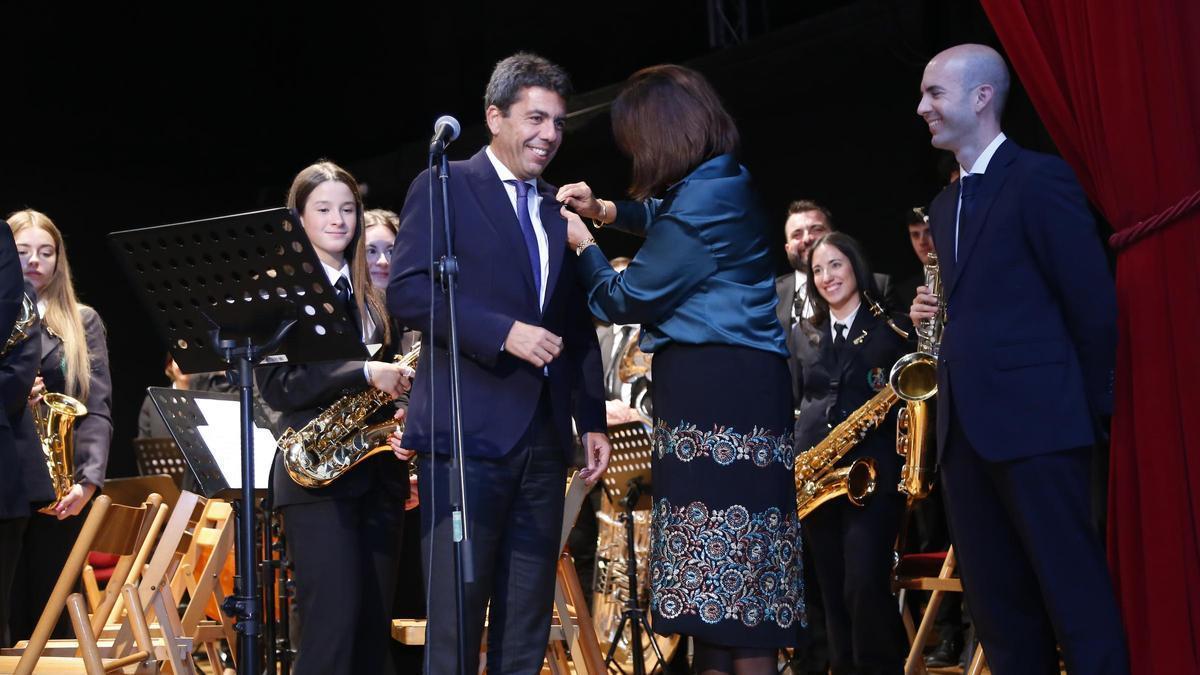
(914, 379)
(20, 331)
(338, 439)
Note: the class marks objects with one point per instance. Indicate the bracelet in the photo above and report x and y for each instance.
(584, 244)
(603, 214)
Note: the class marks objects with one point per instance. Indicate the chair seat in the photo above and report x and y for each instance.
(103, 564)
(53, 665)
(921, 564)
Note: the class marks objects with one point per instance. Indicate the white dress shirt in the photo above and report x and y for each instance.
(979, 167)
(535, 216)
(848, 321)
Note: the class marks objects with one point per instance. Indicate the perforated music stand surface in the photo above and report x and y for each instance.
(160, 455)
(180, 411)
(244, 273)
(632, 444)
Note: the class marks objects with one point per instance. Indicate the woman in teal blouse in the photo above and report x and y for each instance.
(725, 559)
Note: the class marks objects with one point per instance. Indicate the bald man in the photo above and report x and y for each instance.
(1024, 378)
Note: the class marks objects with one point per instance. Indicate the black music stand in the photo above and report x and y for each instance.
(226, 291)
(627, 483)
(160, 455)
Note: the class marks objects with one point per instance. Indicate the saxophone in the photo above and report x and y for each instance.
(914, 379)
(337, 440)
(54, 421)
(20, 331)
(817, 481)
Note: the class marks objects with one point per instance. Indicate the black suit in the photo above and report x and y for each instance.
(344, 538)
(851, 546)
(1025, 369)
(516, 417)
(48, 540)
(14, 390)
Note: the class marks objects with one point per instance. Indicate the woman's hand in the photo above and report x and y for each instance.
(390, 378)
(74, 501)
(579, 198)
(39, 388)
(395, 439)
(577, 231)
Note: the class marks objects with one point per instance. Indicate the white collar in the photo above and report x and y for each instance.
(848, 321)
(503, 172)
(801, 281)
(985, 157)
(333, 274)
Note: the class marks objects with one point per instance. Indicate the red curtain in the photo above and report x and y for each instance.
(1117, 84)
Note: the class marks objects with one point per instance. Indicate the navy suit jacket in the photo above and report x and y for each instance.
(16, 379)
(500, 392)
(1030, 338)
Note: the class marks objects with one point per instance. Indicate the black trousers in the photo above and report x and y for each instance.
(346, 555)
(1032, 567)
(46, 545)
(515, 510)
(852, 550)
(12, 531)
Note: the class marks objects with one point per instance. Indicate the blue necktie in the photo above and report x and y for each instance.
(968, 187)
(535, 258)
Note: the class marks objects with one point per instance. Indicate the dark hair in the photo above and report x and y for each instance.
(669, 120)
(520, 71)
(806, 205)
(858, 262)
(915, 216)
(356, 251)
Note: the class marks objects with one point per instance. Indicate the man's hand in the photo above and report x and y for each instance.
(390, 378)
(533, 344)
(395, 439)
(925, 305)
(597, 450)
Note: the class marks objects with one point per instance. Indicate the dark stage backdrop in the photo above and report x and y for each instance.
(141, 117)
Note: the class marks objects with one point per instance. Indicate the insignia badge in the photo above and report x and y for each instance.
(877, 379)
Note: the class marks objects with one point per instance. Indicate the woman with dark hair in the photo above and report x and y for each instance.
(724, 559)
(343, 538)
(852, 546)
(74, 361)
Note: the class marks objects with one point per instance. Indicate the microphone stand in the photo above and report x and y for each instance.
(447, 273)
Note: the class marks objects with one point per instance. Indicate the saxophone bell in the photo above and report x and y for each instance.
(54, 420)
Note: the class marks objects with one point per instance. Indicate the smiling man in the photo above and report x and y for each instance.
(530, 363)
(1024, 377)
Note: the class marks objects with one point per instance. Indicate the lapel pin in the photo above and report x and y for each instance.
(858, 340)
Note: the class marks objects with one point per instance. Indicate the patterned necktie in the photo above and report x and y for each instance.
(968, 187)
(531, 244)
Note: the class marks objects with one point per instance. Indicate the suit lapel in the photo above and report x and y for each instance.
(941, 218)
(993, 180)
(556, 235)
(858, 336)
(498, 210)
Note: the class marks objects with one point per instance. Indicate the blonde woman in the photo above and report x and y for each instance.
(74, 361)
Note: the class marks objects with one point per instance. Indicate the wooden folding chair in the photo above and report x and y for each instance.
(933, 572)
(109, 528)
(573, 638)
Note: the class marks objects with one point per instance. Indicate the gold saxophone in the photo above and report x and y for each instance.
(20, 331)
(817, 481)
(337, 440)
(54, 421)
(914, 379)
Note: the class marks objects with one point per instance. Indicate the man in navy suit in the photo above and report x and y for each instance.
(530, 364)
(1024, 377)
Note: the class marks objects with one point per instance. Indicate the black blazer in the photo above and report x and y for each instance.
(16, 379)
(833, 390)
(93, 432)
(1029, 346)
(299, 392)
(499, 391)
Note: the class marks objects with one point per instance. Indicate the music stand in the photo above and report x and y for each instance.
(226, 291)
(160, 455)
(627, 482)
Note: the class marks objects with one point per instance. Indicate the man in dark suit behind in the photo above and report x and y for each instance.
(530, 363)
(1024, 375)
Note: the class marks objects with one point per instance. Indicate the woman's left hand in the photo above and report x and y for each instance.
(74, 501)
(577, 231)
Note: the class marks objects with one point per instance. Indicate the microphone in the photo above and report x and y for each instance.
(445, 130)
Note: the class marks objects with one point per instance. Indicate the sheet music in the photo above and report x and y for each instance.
(223, 436)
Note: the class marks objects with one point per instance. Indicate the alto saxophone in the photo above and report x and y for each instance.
(54, 421)
(914, 379)
(817, 481)
(337, 440)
